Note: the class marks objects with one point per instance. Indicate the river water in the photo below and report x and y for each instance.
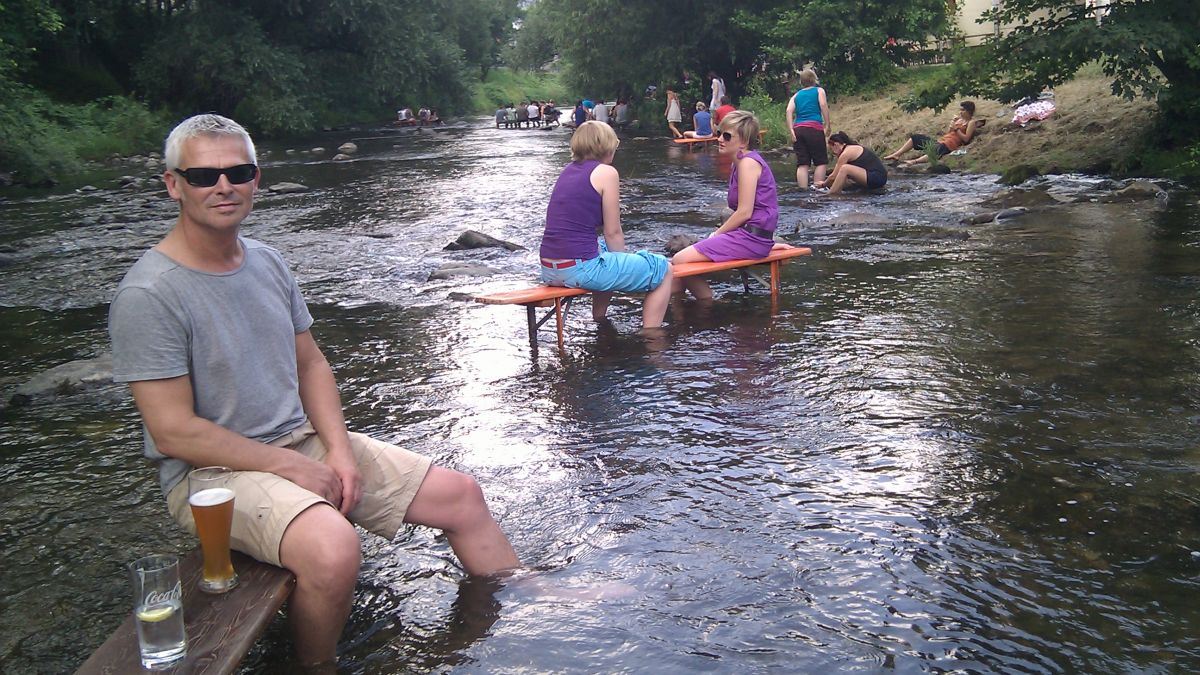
(952, 448)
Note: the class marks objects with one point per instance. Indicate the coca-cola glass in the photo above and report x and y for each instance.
(158, 610)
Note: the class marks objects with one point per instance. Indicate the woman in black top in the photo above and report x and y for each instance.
(855, 164)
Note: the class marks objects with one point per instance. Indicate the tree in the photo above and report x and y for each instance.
(617, 46)
(1148, 47)
(852, 44)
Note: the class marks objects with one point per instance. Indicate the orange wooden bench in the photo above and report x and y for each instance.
(709, 139)
(220, 628)
(560, 297)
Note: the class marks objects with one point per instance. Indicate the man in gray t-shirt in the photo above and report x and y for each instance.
(212, 334)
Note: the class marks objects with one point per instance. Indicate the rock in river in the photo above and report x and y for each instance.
(1136, 191)
(65, 379)
(472, 239)
(348, 148)
(288, 188)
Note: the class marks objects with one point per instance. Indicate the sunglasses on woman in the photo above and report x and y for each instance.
(726, 136)
(206, 177)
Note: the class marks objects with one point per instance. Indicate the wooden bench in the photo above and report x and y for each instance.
(559, 297)
(220, 628)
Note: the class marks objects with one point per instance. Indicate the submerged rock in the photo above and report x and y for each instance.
(348, 148)
(341, 157)
(472, 239)
(1136, 191)
(460, 269)
(64, 379)
(678, 242)
(1015, 175)
(1026, 198)
(860, 218)
(287, 188)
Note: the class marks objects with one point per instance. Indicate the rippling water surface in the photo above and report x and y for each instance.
(952, 448)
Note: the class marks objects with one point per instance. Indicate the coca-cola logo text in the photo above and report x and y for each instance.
(163, 597)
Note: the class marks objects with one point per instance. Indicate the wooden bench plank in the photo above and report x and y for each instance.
(547, 296)
(710, 139)
(220, 628)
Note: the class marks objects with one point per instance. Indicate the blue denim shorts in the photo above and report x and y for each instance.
(639, 272)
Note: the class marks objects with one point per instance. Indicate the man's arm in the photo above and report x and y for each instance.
(323, 405)
(168, 410)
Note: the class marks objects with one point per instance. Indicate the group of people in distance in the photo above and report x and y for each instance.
(706, 115)
(586, 199)
(424, 117)
(620, 115)
(527, 114)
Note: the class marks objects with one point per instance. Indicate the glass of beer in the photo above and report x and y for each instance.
(158, 610)
(211, 500)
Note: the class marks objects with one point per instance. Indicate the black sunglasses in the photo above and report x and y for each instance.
(206, 177)
(726, 136)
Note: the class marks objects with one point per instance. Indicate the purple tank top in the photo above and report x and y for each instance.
(574, 214)
(766, 199)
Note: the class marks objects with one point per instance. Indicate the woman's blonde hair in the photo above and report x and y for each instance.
(701, 106)
(808, 78)
(593, 140)
(744, 124)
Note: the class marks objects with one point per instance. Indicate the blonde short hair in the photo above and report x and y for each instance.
(808, 78)
(203, 125)
(700, 106)
(744, 124)
(593, 140)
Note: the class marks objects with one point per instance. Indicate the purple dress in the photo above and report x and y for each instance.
(742, 243)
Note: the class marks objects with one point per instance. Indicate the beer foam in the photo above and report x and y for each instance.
(211, 497)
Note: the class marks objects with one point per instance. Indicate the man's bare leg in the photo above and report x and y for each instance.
(600, 305)
(453, 502)
(322, 549)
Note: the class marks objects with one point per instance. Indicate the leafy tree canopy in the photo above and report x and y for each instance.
(1149, 47)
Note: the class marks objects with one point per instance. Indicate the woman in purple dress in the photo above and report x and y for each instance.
(750, 232)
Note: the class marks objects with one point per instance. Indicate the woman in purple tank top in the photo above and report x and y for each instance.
(586, 198)
(749, 233)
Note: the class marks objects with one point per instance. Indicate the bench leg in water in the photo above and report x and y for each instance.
(560, 308)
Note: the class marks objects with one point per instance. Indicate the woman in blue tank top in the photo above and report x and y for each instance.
(808, 121)
(586, 198)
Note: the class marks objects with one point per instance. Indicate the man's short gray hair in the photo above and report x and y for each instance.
(203, 125)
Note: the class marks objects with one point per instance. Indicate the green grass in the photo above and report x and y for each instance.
(43, 140)
(504, 86)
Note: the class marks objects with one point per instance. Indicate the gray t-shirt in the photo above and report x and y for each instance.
(233, 333)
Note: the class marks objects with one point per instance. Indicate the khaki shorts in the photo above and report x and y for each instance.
(266, 504)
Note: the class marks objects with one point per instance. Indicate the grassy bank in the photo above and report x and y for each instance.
(41, 140)
(503, 86)
(1091, 131)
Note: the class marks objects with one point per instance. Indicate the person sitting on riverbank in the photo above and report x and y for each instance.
(749, 232)
(213, 335)
(808, 119)
(586, 198)
(855, 164)
(701, 123)
(404, 117)
(962, 131)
